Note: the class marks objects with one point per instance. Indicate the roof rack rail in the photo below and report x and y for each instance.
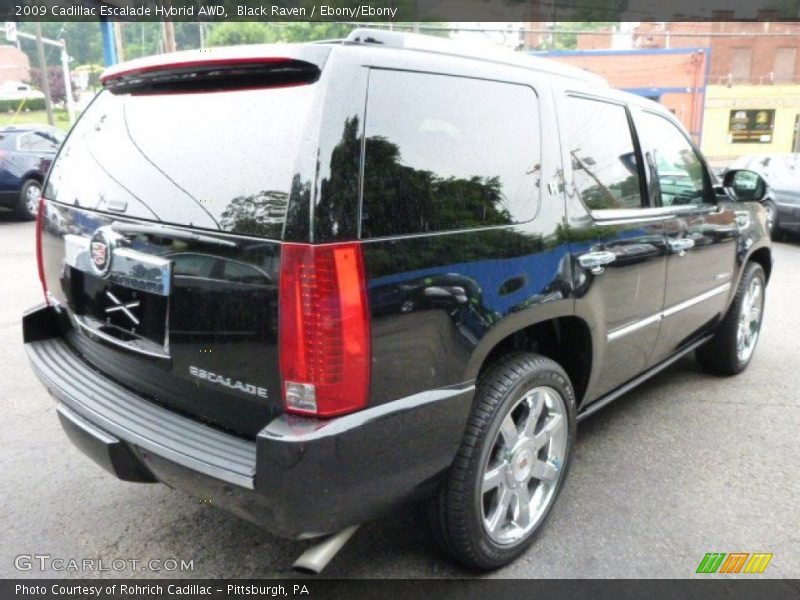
(392, 39)
(486, 52)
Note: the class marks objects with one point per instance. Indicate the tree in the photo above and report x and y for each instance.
(310, 32)
(259, 214)
(243, 32)
(247, 32)
(56, 80)
(84, 42)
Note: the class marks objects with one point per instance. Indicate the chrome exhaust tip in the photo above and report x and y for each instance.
(317, 557)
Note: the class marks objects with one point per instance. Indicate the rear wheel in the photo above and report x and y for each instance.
(730, 350)
(511, 464)
(28, 203)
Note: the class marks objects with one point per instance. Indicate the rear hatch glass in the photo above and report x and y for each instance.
(218, 161)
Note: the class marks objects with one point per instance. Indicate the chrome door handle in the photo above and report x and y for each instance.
(597, 260)
(680, 246)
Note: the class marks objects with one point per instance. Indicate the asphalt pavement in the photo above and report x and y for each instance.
(686, 464)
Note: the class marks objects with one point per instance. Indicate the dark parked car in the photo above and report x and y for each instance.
(409, 274)
(782, 174)
(26, 152)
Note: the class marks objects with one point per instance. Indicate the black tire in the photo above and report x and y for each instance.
(720, 355)
(456, 513)
(24, 210)
(772, 223)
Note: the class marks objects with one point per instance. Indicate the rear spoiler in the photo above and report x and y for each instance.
(189, 72)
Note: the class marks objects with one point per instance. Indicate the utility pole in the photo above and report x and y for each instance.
(109, 44)
(67, 82)
(169, 36)
(118, 41)
(48, 103)
(62, 46)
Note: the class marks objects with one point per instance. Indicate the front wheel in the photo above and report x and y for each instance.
(730, 350)
(511, 464)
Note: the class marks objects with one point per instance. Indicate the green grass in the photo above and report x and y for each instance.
(34, 116)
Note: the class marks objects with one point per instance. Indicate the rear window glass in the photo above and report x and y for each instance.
(604, 168)
(209, 160)
(445, 153)
(40, 141)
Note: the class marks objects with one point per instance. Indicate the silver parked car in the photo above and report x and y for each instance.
(782, 174)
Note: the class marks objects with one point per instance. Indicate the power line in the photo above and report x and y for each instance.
(412, 27)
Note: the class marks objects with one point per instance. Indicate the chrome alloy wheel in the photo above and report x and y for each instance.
(750, 319)
(32, 195)
(525, 463)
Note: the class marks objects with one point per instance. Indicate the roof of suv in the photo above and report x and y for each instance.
(26, 128)
(374, 38)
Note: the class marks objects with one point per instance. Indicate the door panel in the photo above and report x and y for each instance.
(626, 298)
(700, 267)
(610, 221)
(700, 236)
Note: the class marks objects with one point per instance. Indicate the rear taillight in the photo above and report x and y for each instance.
(324, 329)
(40, 217)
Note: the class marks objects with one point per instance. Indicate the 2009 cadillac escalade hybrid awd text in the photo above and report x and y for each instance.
(311, 282)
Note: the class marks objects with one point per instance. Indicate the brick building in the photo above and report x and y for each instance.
(675, 77)
(741, 52)
(14, 65)
(747, 100)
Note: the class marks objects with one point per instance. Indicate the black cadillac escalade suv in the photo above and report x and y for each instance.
(311, 282)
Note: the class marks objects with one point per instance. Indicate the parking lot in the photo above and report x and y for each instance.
(684, 465)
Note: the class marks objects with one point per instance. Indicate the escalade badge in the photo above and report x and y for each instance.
(100, 254)
(247, 388)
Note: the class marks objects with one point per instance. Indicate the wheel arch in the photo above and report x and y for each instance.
(32, 175)
(762, 256)
(558, 335)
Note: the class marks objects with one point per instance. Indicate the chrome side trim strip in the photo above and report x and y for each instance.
(636, 325)
(632, 220)
(619, 216)
(696, 300)
(633, 214)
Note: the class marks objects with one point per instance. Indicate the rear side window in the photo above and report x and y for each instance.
(220, 160)
(604, 167)
(445, 153)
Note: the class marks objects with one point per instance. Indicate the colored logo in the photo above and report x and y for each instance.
(100, 250)
(734, 562)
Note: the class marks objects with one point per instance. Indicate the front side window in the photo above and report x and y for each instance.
(446, 153)
(604, 167)
(677, 167)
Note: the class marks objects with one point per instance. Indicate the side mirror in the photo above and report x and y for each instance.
(744, 186)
